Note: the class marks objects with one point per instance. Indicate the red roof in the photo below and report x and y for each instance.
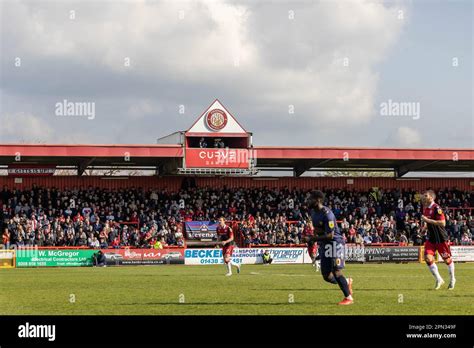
(309, 152)
(300, 158)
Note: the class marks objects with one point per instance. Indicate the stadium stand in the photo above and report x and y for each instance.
(96, 217)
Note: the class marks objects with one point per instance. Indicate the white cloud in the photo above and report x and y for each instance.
(143, 107)
(407, 137)
(25, 127)
(280, 61)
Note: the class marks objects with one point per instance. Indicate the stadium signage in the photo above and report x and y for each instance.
(203, 253)
(218, 158)
(382, 254)
(7, 254)
(204, 235)
(55, 258)
(74, 258)
(30, 170)
(246, 256)
(131, 254)
(151, 254)
(300, 255)
(216, 119)
(201, 231)
(291, 255)
(377, 254)
(462, 253)
(117, 257)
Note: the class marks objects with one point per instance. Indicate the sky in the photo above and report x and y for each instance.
(310, 73)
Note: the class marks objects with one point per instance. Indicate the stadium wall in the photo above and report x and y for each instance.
(174, 183)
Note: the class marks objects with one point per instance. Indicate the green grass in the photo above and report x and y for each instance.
(257, 290)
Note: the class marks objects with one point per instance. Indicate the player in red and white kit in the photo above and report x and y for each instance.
(308, 234)
(225, 236)
(436, 239)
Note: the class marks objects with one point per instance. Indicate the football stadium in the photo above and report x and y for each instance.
(235, 172)
(159, 234)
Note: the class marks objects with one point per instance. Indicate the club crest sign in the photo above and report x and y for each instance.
(216, 119)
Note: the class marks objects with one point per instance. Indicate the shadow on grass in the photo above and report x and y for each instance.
(457, 296)
(174, 275)
(215, 303)
(337, 289)
(293, 289)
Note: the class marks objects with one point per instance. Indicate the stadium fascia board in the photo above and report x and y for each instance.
(270, 152)
(278, 157)
(263, 152)
(90, 150)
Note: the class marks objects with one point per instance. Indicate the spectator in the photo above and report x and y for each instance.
(72, 217)
(82, 238)
(359, 240)
(367, 238)
(466, 239)
(266, 257)
(180, 242)
(103, 244)
(115, 242)
(99, 259)
(94, 243)
(202, 143)
(6, 238)
(403, 240)
(157, 244)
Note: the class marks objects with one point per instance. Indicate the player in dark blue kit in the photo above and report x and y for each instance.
(331, 246)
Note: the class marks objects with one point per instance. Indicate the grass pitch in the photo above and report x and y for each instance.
(378, 289)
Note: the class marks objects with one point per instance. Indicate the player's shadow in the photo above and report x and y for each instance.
(207, 303)
(172, 275)
(456, 296)
(270, 289)
(336, 289)
(392, 289)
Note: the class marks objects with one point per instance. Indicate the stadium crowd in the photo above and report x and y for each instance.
(96, 217)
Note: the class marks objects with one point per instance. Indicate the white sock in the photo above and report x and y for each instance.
(349, 297)
(234, 264)
(434, 271)
(451, 270)
(229, 269)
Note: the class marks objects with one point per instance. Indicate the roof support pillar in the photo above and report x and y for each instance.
(304, 165)
(411, 166)
(82, 166)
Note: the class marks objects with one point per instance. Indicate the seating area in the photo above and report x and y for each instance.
(96, 217)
